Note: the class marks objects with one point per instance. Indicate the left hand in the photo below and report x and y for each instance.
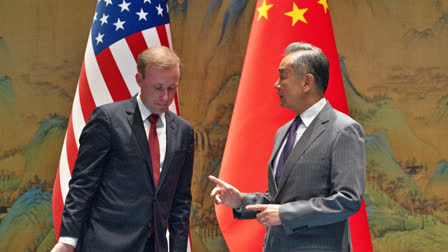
(62, 247)
(269, 214)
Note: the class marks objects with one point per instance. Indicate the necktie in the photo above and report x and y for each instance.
(154, 147)
(288, 148)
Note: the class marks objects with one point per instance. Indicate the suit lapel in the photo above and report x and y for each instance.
(314, 130)
(170, 145)
(277, 144)
(136, 124)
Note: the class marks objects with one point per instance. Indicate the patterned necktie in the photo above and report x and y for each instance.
(154, 147)
(288, 148)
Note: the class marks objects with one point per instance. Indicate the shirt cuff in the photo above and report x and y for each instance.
(69, 241)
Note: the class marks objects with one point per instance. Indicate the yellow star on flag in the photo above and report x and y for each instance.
(324, 4)
(296, 14)
(263, 10)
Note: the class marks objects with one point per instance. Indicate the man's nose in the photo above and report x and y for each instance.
(165, 94)
(277, 85)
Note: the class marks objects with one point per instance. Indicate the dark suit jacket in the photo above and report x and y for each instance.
(112, 202)
(321, 186)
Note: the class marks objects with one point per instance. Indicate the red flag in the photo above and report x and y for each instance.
(119, 32)
(257, 114)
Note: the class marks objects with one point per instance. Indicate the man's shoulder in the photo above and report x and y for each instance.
(112, 111)
(344, 123)
(118, 104)
(343, 119)
(116, 107)
(178, 119)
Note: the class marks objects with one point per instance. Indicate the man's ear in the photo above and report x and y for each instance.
(309, 82)
(139, 79)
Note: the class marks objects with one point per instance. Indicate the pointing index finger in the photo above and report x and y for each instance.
(217, 181)
(256, 207)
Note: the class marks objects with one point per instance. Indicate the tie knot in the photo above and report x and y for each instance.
(153, 118)
(296, 122)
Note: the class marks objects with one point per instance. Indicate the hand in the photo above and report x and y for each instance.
(225, 193)
(62, 247)
(269, 215)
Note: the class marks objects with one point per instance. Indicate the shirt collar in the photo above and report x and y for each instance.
(145, 112)
(308, 115)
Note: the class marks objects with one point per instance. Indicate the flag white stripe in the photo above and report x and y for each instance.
(77, 117)
(126, 64)
(64, 171)
(168, 34)
(151, 37)
(189, 244)
(98, 87)
(172, 107)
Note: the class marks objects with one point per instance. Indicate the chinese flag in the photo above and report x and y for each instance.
(257, 114)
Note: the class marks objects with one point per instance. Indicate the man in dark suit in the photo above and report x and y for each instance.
(133, 174)
(316, 173)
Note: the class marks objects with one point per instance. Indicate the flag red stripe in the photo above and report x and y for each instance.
(86, 100)
(58, 206)
(72, 149)
(112, 76)
(137, 44)
(176, 102)
(161, 31)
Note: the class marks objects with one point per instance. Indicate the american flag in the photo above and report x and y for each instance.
(120, 31)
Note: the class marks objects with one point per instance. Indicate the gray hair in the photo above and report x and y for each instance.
(309, 59)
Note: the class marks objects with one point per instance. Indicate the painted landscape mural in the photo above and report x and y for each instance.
(393, 59)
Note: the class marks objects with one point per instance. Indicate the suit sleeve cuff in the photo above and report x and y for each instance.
(69, 241)
(239, 210)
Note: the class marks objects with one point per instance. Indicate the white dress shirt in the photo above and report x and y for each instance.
(161, 128)
(307, 118)
(161, 135)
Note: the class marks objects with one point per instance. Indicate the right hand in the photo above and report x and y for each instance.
(62, 247)
(225, 193)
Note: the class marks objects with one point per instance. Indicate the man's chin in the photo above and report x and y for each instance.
(162, 110)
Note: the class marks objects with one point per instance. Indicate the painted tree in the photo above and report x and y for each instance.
(422, 207)
(394, 186)
(436, 203)
(412, 197)
(379, 178)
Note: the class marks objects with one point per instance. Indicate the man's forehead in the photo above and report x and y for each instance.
(158, 68)
(284, 65)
